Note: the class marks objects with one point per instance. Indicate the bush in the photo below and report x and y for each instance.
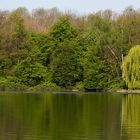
(117, 85)
(11, 84)
(44, 87)
(30, 72)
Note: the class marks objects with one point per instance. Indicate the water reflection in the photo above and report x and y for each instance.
(69, 117)
(131, 117)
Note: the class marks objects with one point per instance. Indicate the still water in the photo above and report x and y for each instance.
(69, 117)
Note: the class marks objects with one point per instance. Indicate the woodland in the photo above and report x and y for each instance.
(48, 49)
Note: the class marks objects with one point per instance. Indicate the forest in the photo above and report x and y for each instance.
(48, 49)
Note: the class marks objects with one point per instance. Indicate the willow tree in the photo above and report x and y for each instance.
(131, 68)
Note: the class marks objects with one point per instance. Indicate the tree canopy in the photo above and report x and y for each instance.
(131, 68)
(50, 48)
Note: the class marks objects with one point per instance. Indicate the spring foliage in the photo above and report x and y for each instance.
(131, 68)
(47, 48)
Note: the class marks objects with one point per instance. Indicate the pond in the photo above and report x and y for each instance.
(69, 117)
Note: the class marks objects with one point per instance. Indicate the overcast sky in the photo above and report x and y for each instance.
(81, 6)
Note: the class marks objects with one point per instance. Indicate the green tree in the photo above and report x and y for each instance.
(19, 36)
(131, 68)
(65, 68)
(62, 30)
(14, 43)
(30, 72)
(95, 76)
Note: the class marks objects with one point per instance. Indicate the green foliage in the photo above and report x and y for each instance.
(94, 71)
(15, 43)
(30, 73)
(42, 48)
(19, 36)
(46, 86)
(131, 68)
(65, 67)
(5, 63)
(11, 84)
(61, 55)
(62, 31)
(80, 86)
(117, 84)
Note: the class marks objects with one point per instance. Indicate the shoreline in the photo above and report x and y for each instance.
(122, 91)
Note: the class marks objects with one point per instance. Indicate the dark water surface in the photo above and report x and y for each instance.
(69, 117)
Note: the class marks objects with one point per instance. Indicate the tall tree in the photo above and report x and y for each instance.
(65, 68)
(131, 68)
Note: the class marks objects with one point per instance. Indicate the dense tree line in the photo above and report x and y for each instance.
(49, 48)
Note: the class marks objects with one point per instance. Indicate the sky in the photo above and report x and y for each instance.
(79, 6)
